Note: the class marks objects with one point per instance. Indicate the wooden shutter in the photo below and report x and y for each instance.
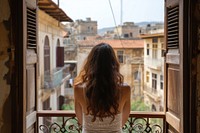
(60, 56)
(176, 75)
(30, 66)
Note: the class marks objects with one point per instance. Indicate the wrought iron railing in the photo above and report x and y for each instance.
(66, 122)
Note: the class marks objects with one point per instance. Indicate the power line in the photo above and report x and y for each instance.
(115, 23)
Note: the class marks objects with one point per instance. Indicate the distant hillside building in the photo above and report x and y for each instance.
(152, 28)
(127, 31)
(81, 29)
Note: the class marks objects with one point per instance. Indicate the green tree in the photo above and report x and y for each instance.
(139, 105)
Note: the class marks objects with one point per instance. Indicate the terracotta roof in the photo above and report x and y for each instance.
(53, 10)
(114, 43)
(143, 36)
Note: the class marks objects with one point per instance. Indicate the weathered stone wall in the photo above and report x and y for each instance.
(5, 99)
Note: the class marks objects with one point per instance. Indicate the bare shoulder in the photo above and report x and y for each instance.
(125, 88)
(78, 89)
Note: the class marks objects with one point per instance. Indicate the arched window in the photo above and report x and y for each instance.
(58, 43)
(59, 54)
(136, 75)
(46, 54)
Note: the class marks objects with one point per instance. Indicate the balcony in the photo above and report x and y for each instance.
(66, 122)
(153, 93)
(56, 77)
(156, 64)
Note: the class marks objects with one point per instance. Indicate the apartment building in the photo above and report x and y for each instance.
(53, 73)
(154, 70)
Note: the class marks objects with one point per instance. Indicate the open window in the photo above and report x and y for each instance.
(176, 84)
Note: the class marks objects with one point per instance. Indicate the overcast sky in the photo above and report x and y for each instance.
(99, 10)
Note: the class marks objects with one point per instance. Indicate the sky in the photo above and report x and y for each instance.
(100, 11)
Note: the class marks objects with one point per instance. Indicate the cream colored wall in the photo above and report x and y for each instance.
(83, 28)
(158, 72)
(127, 30)
(126, 67)
(5, 98)
(48, 26)
(82, 54)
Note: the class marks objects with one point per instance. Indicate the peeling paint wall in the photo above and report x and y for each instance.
(5, 99)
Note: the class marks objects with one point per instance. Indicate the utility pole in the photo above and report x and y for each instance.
(121, 12)
(58, 3)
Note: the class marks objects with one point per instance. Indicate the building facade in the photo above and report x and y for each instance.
(127, 31)
(154, 71)
(82, 29)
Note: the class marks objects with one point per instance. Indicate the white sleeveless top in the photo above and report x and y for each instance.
(105, 126)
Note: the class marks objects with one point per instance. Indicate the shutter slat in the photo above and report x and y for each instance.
(174, 23)
(172, 20)
(172, 42)
(31, 28)
(31, 19)
(31, 22)
(32, 35)
(173, 9)
(31, 11)
(31, 32)
(172, 31)
(173, 17)
(171, 35)
(173, 27)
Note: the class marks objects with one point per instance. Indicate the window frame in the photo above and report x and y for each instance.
(121, 60)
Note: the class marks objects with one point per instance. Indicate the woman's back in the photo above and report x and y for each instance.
(99, 93)
(107, 124)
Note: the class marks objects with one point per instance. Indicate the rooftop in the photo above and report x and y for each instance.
(53, 10)
(114, 43)
(144, 36)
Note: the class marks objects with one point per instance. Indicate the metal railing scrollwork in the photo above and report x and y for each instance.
(138, 122)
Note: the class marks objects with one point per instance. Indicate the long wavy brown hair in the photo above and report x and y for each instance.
(102, 78)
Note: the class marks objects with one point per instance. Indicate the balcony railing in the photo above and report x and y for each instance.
(153, 93)
(154, 63)
(66, 122)
(56, 77)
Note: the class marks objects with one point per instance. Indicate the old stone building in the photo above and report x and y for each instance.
(82, 29)
(127, 31)
(53, 74)
(154, 70)
(152, 28)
